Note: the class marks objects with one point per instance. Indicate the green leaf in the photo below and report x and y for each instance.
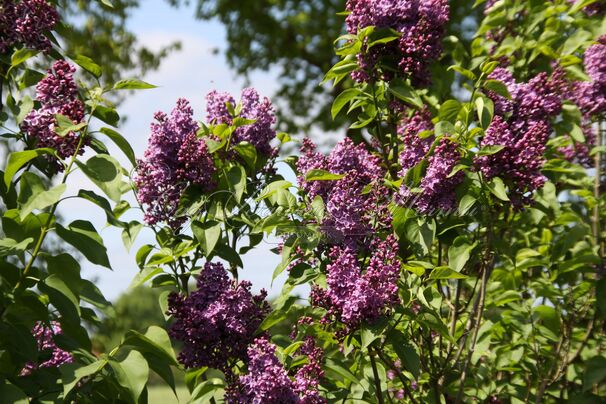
(444, 128)
(62, 297)
(467, 73)
(459, 253)
(8, 246)
(342, 100)
(122, 144)
(129, 234)
(106, 114)
(132, 373)
(33, 194)
(236, 179)
(12, 394)
(155, 341)
(489, 150)
(207, 234)
(406, 93)
(445, 273)
(72, 373)
(466, 203)
(248, 152)
(407, 354)
(16, 160)
(21, 55)
(82, 235)
(485, 109)
(65, 125)
(498, 87)
(88, 64)
(132, 84)
(25, 107)
(497, 187)
(449, 110)
(336, 368)
(322, 175)
(595, 372)
(105, 172)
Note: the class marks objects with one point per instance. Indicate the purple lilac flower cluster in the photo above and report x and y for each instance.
(421, 24)
(57, 93)
(522, 126)
(175, 158)
(355, 295)
(267, 382)
(437, 188)
(260, 133)
(415, 146)
(25, 22)
(590, 96)
(350, 212)
(520, 161)
(217, 322)
(44, 335)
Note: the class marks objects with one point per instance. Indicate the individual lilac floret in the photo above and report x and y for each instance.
(25, 23)
(260, 133)
(57, 93)
(47, 348)
(421, 24)
(355, 296)
(519, 163)
(415, 147)
(175, 158)
(218, 321)
(437, 189)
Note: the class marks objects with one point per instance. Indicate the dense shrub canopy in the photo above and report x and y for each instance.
(454, 249)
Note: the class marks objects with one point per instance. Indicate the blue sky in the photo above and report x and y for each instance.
(190, 73)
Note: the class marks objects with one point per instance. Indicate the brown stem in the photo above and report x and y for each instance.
(596, 192)
(476, 329)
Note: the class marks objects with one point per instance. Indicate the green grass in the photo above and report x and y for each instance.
(164, 395)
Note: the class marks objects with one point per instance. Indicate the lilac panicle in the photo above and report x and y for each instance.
(437, 188)
(44, 336)
(355, 296)
(174, 159)
(421, 24)
(25, 23)
(519, 163)
(267, 382)
(591, 96)
(260, 133)
(350, 211)
(218, 321)
(57, 93)
(415, 147)
(311, 159)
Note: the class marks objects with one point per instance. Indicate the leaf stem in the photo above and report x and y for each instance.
(377, 380)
